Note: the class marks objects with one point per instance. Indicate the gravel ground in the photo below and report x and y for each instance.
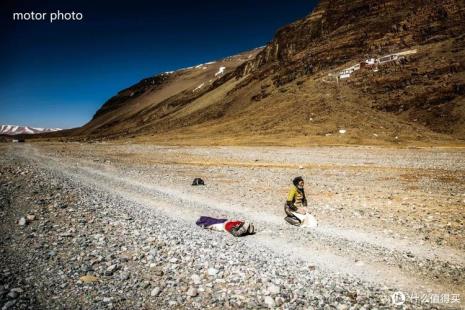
(112, 226)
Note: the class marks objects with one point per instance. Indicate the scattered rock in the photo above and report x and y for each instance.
(155, 292)
(212, 271)
(192, 292)
(274, 289)
(342, 307)
(30, 217)
(14, 293)
(158, 273)
(111, 269)
(9, 304)
(88, 279)
(279, 301)
(124, 276)
(269, 301)
(196, 279)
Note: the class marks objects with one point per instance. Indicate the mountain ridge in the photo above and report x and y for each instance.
(287, 90)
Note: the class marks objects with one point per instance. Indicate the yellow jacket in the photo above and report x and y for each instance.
(296, 197)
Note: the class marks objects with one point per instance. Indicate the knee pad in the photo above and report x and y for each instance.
(292, 220)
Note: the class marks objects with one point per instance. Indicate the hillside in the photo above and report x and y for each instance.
(350, 72)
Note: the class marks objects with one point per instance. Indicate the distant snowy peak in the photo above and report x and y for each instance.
(17, 130)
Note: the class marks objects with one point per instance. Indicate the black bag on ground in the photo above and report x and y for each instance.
(198, 181)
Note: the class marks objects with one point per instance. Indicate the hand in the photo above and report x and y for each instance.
(292, 206)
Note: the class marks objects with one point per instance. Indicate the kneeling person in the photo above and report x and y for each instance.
(296, 202)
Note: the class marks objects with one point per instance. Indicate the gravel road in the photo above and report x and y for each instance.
(113, 226)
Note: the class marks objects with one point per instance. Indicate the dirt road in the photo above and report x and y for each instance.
(391, 218)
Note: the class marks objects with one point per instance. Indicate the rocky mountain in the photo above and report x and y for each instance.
(349, 72)
(24, 130)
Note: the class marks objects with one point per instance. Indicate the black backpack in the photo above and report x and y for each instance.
(198, 181)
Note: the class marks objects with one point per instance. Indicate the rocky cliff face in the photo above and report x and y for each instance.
(429, 86)
(393, 67)
(338, 31)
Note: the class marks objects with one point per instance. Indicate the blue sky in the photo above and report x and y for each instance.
(59, 74)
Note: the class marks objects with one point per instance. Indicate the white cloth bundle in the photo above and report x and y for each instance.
(307, 220)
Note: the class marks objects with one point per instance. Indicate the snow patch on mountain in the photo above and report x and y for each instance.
(198, 87)
(220, 71)
(17, 130)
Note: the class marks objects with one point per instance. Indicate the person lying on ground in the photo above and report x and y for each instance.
(234, 227)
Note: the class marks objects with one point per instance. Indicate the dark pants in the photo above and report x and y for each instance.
(291, 218)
